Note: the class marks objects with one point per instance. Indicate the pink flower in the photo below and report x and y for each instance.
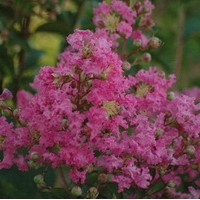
(23, 97)
(125, 11)
(138, 35)
(125, 29)
(77, 176)
(6, 94)
(124, 182)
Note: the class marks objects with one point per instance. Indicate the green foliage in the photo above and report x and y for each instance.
(17, 184)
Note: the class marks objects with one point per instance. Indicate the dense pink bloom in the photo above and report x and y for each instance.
(118, 18)
(88, 115)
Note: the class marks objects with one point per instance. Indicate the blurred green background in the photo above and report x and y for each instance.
(32, 33)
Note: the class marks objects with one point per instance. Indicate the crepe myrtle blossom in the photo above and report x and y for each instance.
(118, 18)
(87, 115)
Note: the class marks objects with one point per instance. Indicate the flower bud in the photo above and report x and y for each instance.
(34, 156)
(146, 10)
(102, 178)
(35, 165)
(146, 57)
(82, 76)
(6, 94)
(56, 80)
(64, 123)
(154, 42)
(89, 83)
(76, 191)
(159, 132)
(16, 113)
(39, 180)
(171, 184)
(162, 172)
(137, 43)
(126, 66)
(92, 193)
(103, 76)
(137, 5)
(3, 105)
(90, 168)
(190, 150)
(170, 95)
(55, 75)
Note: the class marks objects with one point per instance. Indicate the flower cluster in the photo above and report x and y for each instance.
(126, 20)
(91, 117)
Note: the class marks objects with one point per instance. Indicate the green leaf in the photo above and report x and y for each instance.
(192, 26)
(56, 193)
(110, 190)
(32, 57)
(18, 184)
(6, 11)
(158, 187)
(92, 178)
(55, 27)
(6, 64)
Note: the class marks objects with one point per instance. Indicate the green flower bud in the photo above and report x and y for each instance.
(92, 193)
(34, 156)
(162, 173)
(89, 83)
(39, 180)
(82, 76)
(137, 43)
(154, 42)
(76, 191)
(146, 57)
(103, 76)
(171, 184)
(159, 132)
(102, 178)
(126, 66)
(170, 95)
(16, 113)
(90, 168)
(64, 123)
(190, 150)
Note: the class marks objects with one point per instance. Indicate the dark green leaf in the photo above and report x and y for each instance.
(55, 27)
